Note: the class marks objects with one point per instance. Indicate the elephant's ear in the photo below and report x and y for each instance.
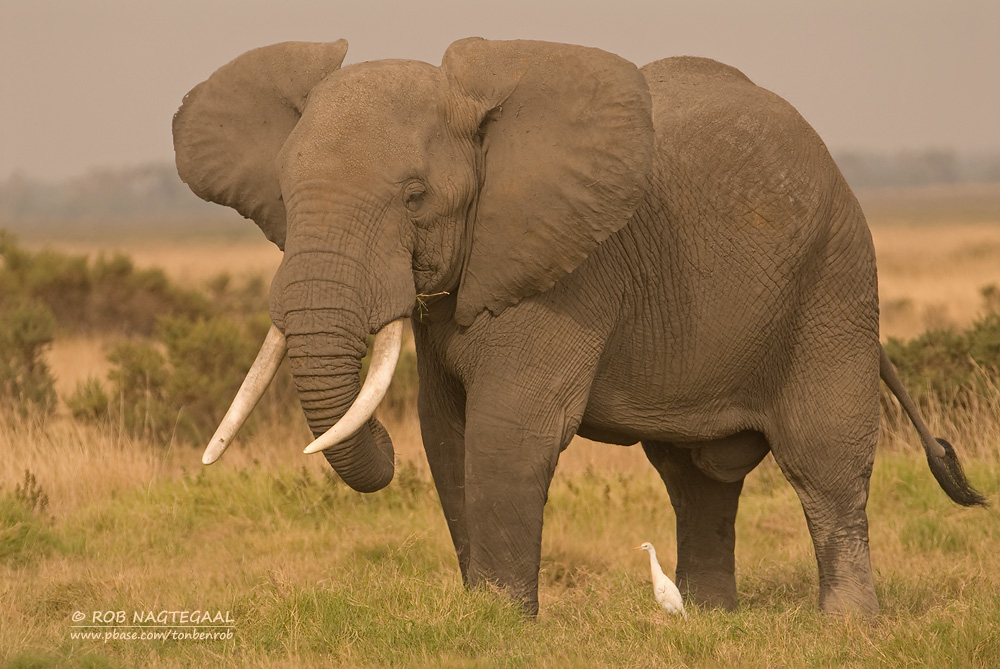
(230, 127)
(567, 147)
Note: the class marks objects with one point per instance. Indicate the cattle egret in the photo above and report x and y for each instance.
(666, 593)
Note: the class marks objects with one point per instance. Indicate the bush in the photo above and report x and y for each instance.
(26, 329)
(208, 360)
(25, 533)
(179, 384)
(187, 357)
(948, 367)
(138, 377)
(106, 295)
(89, 401)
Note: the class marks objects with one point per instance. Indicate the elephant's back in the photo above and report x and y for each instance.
(749, 220)
(688, 90)
(739, 155)
(690, 69)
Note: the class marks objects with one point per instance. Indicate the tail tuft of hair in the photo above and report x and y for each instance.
(951, 477)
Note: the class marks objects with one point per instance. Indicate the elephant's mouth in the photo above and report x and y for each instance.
(385, 354)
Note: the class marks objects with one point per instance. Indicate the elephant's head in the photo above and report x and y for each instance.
(489, 177)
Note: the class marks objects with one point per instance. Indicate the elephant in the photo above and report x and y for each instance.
(666, 255)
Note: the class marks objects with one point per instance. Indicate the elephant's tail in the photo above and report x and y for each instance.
(941, 456)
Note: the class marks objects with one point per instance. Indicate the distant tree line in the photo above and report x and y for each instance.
(917, 168)
(153, 192)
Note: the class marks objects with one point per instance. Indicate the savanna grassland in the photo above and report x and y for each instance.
(105, 507)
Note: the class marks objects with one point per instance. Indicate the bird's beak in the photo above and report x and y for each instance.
(637, 548)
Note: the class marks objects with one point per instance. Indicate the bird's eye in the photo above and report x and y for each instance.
(413, 196)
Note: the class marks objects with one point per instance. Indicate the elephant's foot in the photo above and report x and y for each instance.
(846, 585)
(848, 601)
(709, 590)
(524, 594)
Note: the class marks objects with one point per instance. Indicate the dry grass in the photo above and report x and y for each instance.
(932, 276)
(81, 464)
(316, 575)
(190, 262)
(937, 247)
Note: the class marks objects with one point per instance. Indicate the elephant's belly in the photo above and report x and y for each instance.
(622, 412)
(626, 424)
(662, 386)
(727, 459)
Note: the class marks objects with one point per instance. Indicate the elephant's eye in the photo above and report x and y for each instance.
(413, 196)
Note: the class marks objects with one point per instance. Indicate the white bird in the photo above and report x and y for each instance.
(666, 593)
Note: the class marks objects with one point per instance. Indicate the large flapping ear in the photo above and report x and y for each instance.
(567, 145)
(230, 127)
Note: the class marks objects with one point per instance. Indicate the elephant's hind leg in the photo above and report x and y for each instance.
(826, 452)
(706, 525)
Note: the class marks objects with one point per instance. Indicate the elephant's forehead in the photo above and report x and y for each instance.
(379, 116)
(384, 87)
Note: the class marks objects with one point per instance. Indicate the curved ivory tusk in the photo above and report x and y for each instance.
(258, 378)
(385, 354)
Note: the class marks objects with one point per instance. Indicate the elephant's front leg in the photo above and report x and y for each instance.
(512, 446)
(441, 405)
(508, 471)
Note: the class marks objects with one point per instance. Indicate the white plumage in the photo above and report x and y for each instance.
(666, 593)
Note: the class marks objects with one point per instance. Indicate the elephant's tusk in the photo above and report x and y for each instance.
(258, 378)
(385, 354)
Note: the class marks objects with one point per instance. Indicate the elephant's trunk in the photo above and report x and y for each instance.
(339, 281)
(385, 354)
(327, 379)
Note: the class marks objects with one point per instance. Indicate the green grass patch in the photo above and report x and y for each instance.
(314, 574)
(26, 537)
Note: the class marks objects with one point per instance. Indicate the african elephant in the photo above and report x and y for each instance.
(665, 255)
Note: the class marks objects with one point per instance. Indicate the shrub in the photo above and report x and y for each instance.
(178, 384)
(208, 360)
(176, 379)
(30, 493)
(138, 377)
(107, 295)
(89, 401)
(935, 363)
(26, 329)
(948, 367)
(25, 533)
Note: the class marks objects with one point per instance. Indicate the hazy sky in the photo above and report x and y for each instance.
(90, 83)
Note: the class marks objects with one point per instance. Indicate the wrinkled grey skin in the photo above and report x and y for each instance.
(667, 256)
